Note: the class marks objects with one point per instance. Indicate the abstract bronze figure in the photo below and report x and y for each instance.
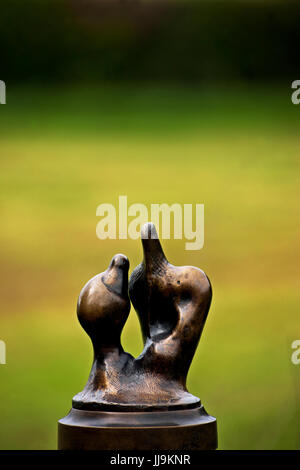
(140, 404)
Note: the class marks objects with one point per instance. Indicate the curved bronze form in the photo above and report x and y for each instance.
(172, 304)
(103, 308)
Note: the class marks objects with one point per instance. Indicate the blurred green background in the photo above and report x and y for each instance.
(223, 133)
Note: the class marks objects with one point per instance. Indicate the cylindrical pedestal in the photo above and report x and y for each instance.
(186, 429)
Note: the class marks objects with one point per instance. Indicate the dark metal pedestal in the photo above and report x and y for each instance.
(189, 429)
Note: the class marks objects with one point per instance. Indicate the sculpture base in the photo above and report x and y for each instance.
(186, 429)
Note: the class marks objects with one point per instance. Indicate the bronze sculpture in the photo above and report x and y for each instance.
(125, 397)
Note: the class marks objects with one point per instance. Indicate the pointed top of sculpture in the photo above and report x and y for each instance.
(153, 252)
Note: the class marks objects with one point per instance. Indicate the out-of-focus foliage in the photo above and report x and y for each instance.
(63, 152)
(179, 41)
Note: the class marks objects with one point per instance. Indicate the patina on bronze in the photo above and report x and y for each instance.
(142, 403)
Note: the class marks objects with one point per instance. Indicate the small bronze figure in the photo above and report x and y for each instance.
(125, 397)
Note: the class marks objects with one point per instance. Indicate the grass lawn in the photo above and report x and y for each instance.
(63, 152)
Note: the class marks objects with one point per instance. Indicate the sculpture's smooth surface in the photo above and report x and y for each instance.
(172, 304)
(142, 403)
